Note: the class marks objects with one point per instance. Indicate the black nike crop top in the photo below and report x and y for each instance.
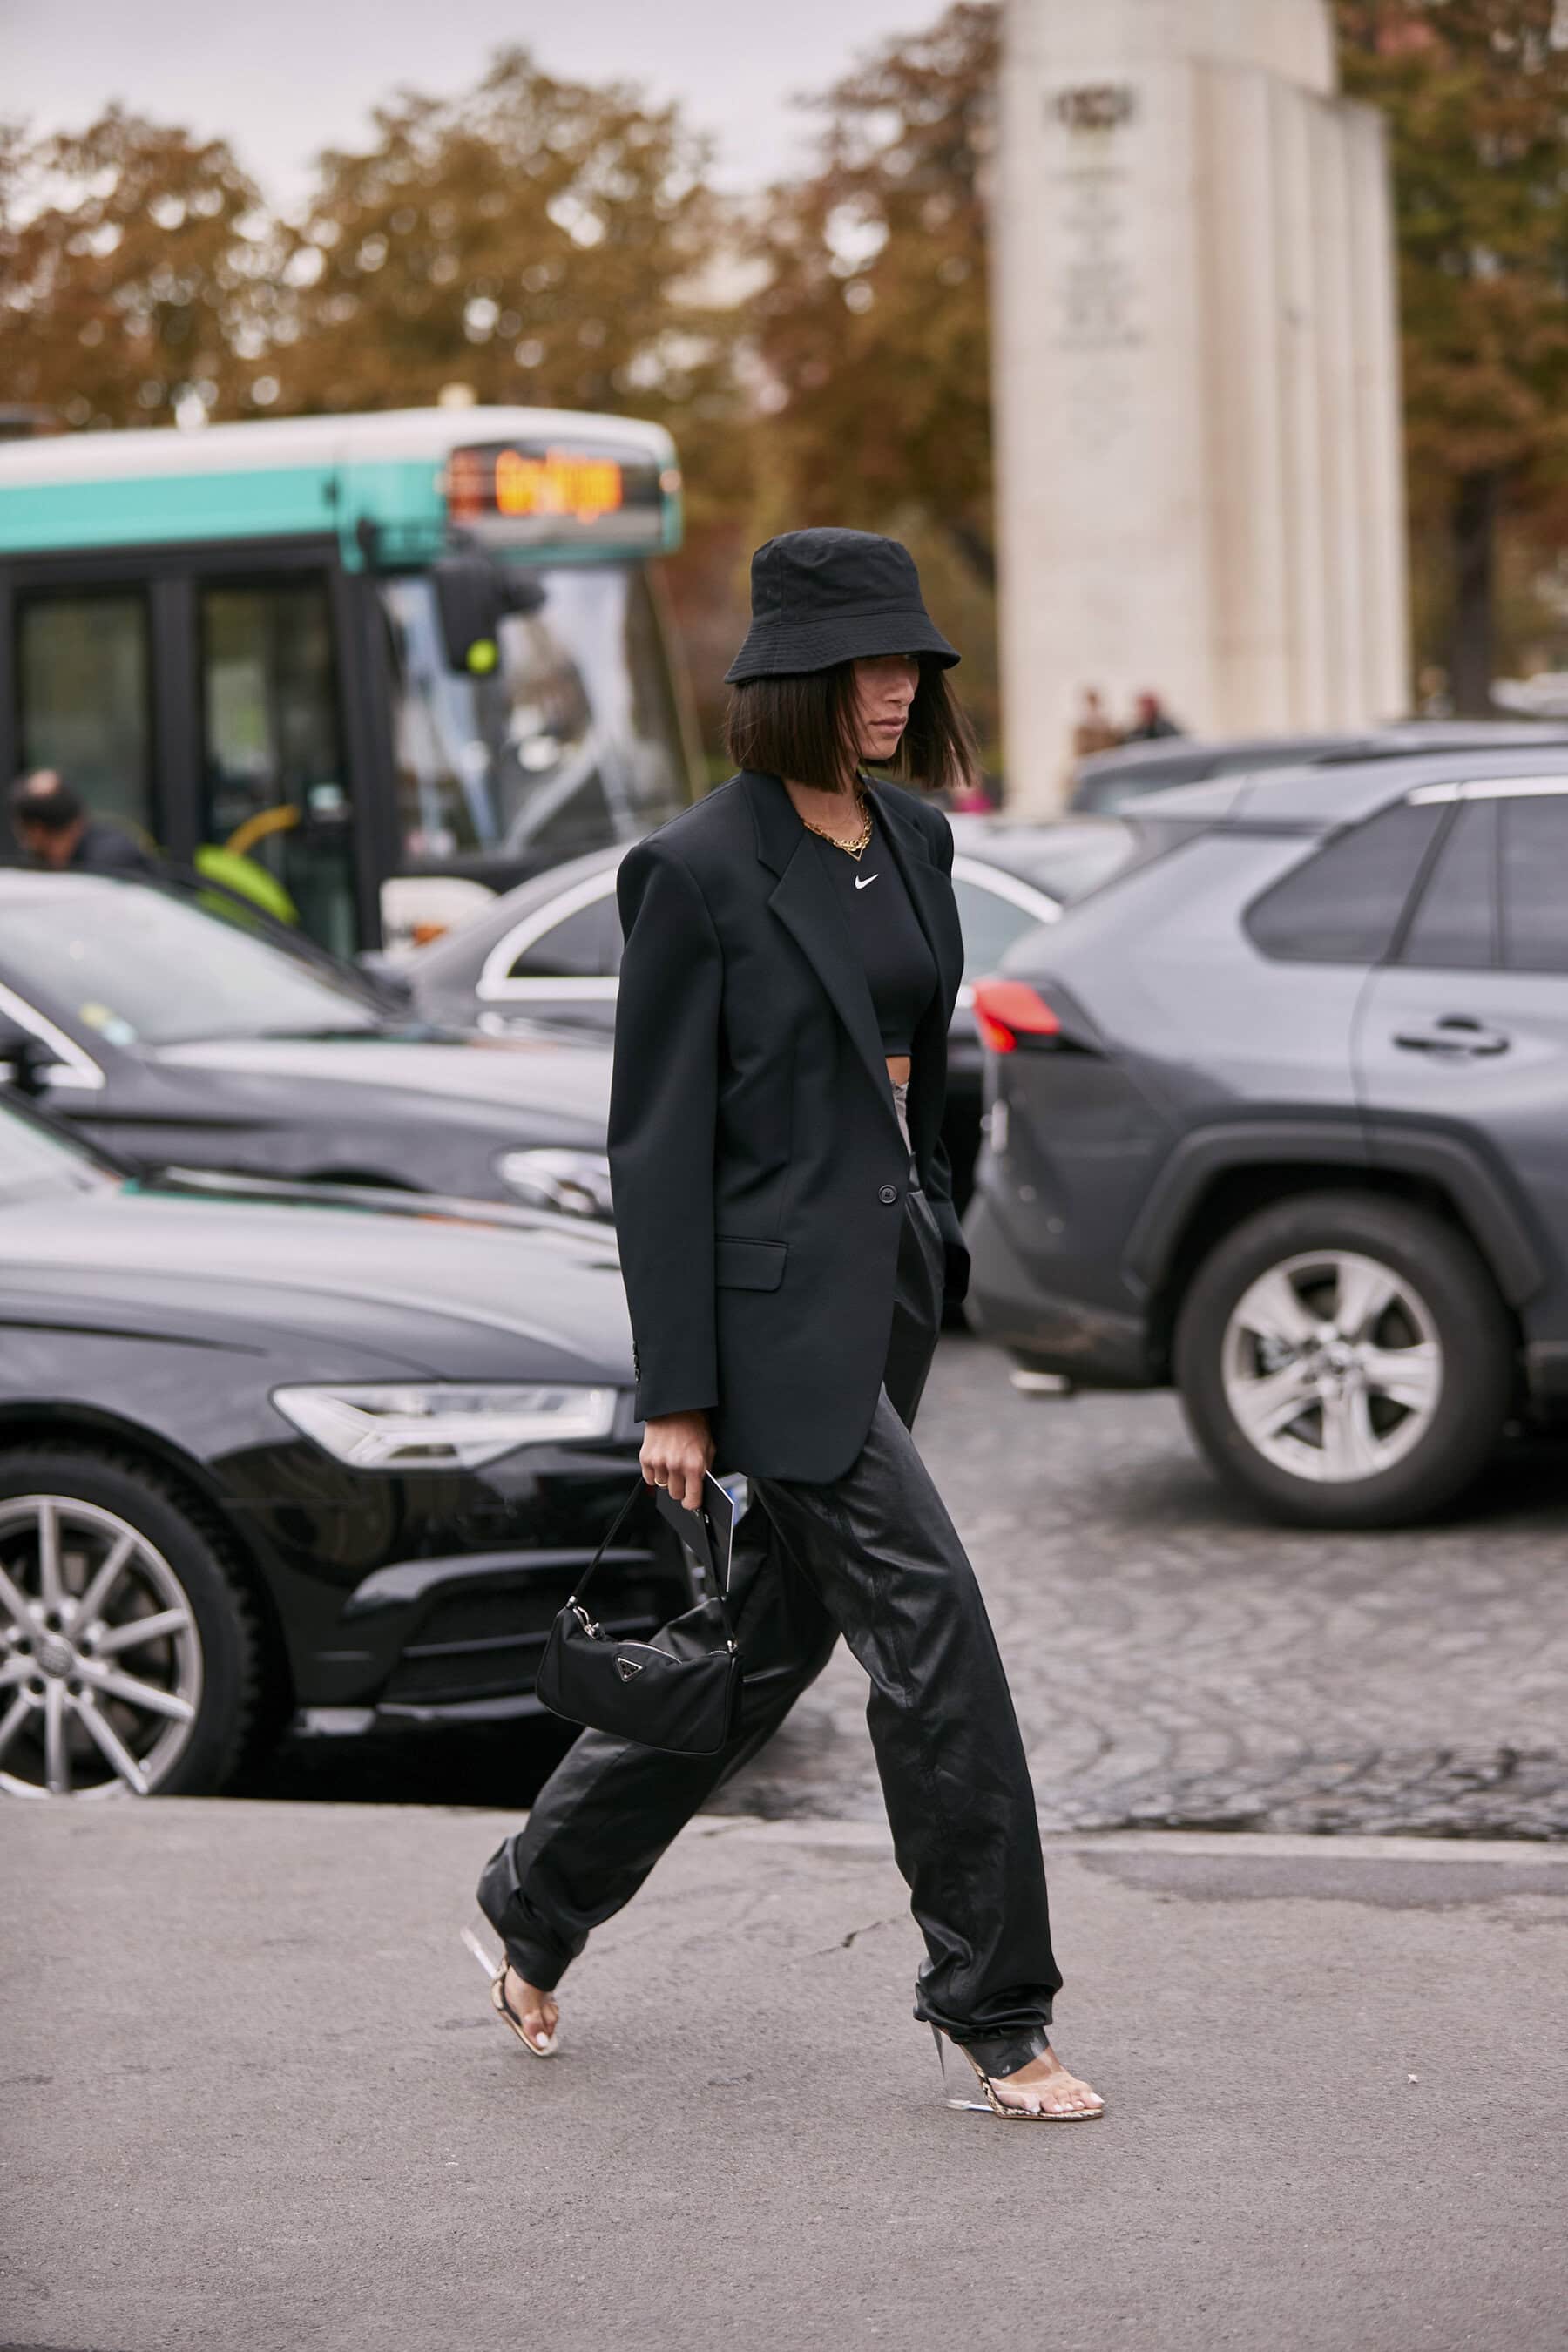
(899, 962)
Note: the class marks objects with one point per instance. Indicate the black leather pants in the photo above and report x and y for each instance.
(873, 1556)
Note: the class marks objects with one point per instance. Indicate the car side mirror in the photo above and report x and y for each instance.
(390, 981)
(24, 1059)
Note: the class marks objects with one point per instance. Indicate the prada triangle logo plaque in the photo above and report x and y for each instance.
(627, 1667)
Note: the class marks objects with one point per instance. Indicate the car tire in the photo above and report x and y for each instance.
(176, 1562)
(1398, 1416)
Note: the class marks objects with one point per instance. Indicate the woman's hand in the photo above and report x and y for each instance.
(678, 1453)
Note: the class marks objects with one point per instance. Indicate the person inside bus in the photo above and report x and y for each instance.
(54, 830)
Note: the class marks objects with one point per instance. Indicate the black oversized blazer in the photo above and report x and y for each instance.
(755, 1158)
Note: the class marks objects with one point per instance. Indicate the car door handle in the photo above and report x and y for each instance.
(1456, 1034)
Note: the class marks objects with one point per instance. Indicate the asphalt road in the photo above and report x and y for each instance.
(252, 2095)
(1175, 1662)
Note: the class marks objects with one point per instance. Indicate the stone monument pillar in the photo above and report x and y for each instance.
(1198, 468)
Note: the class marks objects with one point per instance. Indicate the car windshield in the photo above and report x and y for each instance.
(143, 966)
(37, 1164)
(572, 739)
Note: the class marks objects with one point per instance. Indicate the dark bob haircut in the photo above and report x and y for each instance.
(803, 726)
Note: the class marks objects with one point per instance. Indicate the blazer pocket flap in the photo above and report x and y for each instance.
(749, 1265)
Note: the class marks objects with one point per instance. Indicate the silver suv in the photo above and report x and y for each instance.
(1279, 1116)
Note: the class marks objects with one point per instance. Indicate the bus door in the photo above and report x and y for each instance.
(197, 700)
(274, 791)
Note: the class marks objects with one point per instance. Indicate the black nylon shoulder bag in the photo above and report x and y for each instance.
(641, 1690)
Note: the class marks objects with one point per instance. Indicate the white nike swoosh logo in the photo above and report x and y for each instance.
(863, 880)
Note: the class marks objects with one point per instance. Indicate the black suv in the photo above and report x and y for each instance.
(1281, 1115)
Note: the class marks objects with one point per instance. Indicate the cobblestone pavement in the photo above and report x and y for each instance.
(1175, 1663)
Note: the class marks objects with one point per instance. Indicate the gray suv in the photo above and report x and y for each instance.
(1279, 1116)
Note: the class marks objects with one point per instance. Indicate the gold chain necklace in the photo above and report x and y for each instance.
(862, 841)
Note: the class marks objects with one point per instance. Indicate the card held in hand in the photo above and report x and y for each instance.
(707, 1535)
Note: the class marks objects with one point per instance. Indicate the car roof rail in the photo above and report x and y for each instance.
(1548, 738)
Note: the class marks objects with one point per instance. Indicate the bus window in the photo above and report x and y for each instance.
(83, 673)
(274, 784)
(571, 738)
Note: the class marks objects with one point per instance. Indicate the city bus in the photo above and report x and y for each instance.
(356, 664)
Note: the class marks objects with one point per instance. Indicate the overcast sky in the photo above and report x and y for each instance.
(284, 78)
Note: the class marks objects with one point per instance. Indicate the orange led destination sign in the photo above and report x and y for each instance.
(563, 482)
(557, 484)
(559, 493)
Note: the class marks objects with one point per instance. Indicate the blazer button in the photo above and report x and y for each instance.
(887, 1195)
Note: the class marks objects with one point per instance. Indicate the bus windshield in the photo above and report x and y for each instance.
(573, 738)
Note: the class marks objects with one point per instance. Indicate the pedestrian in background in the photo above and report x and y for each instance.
(787, 1236)
(1151, 721)
(54, 829)
(1094, 731)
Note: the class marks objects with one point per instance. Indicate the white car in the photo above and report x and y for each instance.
(551, 950)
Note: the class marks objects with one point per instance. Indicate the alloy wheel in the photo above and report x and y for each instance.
(1331, 1365)
(100, 1662)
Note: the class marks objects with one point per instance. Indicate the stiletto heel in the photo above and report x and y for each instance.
(993, 2106)
(496, 1971)
(972, 2107)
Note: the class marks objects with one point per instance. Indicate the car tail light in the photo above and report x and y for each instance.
(1006, 1010)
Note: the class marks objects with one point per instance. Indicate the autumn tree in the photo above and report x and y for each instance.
(529, 238)
(870, 336)
(132, 256)
(541, 241)
(1476, 97)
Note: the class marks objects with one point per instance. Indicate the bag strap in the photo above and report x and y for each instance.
(720, 1591)
(607, 1540)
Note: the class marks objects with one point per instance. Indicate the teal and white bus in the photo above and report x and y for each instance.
(350, 662)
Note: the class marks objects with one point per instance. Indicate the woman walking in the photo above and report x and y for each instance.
(787, 1237)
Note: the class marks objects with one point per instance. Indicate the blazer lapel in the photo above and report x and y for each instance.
(804, 902)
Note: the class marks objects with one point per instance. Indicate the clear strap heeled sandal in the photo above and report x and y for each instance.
(986, 2056)
(496, 1973)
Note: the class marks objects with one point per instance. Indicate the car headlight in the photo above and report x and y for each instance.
(440, 1427)
(575, 1182)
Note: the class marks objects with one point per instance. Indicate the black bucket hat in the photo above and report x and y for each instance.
(824, 597)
